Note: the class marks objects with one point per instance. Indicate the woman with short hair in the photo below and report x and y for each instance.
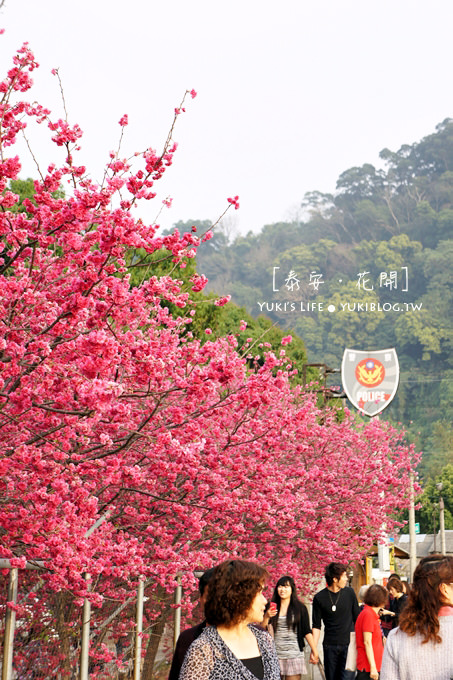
(422, 647)
(231, 647)
(398, 601)
(368, 633)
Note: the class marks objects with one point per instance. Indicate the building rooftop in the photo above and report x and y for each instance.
(426, 544)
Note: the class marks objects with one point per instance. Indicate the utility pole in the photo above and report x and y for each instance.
(412, 539)
(86, 612)
(139, 629)
(177, 615)
(85, 642)
(434, 531)
(443, 547)
(10, 624)
(324, 371)
(10, 617)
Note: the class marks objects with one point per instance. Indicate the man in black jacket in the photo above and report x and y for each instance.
(336, 606)
(188, 636)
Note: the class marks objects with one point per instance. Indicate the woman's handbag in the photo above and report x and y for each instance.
(351, 659)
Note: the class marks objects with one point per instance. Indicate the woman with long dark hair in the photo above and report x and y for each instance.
(231, 647)
(289, 627)
(422, 647)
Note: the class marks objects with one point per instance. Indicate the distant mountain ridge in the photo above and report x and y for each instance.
(370, 268)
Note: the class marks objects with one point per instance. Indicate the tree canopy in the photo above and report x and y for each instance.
(136, 442)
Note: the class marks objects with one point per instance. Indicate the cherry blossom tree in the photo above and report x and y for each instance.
(113, 414)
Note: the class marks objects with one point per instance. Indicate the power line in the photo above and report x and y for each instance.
(427, 380)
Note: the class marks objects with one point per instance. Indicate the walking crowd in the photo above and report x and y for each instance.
(393, 635)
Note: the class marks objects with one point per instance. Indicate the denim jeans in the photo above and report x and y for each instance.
(335, 662)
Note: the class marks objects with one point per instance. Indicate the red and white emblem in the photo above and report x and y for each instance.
(370, 379)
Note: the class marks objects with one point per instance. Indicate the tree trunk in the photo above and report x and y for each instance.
(153, 643)
(62, 610)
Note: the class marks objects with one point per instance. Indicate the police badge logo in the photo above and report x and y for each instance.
(370, 379)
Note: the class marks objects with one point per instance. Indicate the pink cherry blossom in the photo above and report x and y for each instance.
(222, 301)
(234, 201)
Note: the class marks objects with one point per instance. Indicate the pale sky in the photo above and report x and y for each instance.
(290, 94)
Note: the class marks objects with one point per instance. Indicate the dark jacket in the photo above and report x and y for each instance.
(182, 645)
(396, 606)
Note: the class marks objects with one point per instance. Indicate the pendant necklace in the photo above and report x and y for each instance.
(334, 606)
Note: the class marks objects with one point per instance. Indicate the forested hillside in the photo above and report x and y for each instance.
(368, 268)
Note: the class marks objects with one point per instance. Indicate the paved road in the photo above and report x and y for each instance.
(313, 673)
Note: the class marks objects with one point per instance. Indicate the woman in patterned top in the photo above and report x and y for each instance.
(231, 647)
(289, 627)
